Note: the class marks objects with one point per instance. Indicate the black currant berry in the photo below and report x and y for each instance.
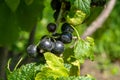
(51, 27)
(59, 47)
(66, 37)
(46, 44)
(67, 5)
(32, 50)
(56, 4)
(66, 28)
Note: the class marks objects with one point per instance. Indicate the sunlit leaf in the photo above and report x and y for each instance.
(25, 72)
(84, 49)
(55, 67)
(75, 18)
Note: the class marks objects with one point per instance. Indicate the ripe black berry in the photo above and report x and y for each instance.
(67, 5)
(51, 27)
(66, 28)
(59, 47)
(46, 44)
(32, 50)
(55, 4)
(66, 37)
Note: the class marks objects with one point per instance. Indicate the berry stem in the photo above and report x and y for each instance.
(8, 65)
(37, 43)
(76, 32)
(18, 63)
(60, 13)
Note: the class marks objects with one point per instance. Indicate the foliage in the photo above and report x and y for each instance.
(64, 67)
(55, 67)
(25, 72)
(78, 12)
(71, 78)
(15, 16)
(106, 38)
(83, 49)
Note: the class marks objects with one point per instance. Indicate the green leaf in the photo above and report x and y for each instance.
(55, 67)
(84, 49)
(28, 2)
(25, 72)
(75, 17)
(74, 65)
(13, 4)
(83, 5)
(53, 61)
(80, 9)
(28, 16)
(9, 28)
(68, 53)
(88, 77)
(75, 69)
(25, 18)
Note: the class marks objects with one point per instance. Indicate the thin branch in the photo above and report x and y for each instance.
(100, 20)
(3, 61)
(60, 14)
(32, 35)
(18, 63)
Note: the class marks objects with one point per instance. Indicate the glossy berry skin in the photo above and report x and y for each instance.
(46, 44)
(59, 47)
(51, 27)
(32, 50)
(66, 37)
(66, 28)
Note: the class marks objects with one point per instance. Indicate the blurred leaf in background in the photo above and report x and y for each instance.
(17, 16)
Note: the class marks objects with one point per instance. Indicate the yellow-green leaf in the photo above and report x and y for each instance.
(54, 67)
(77, 18)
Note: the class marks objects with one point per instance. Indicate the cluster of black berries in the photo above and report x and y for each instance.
(54, 43)
(98, 2)
(56, 5)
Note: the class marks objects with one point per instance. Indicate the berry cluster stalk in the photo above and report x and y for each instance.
(60, 13)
